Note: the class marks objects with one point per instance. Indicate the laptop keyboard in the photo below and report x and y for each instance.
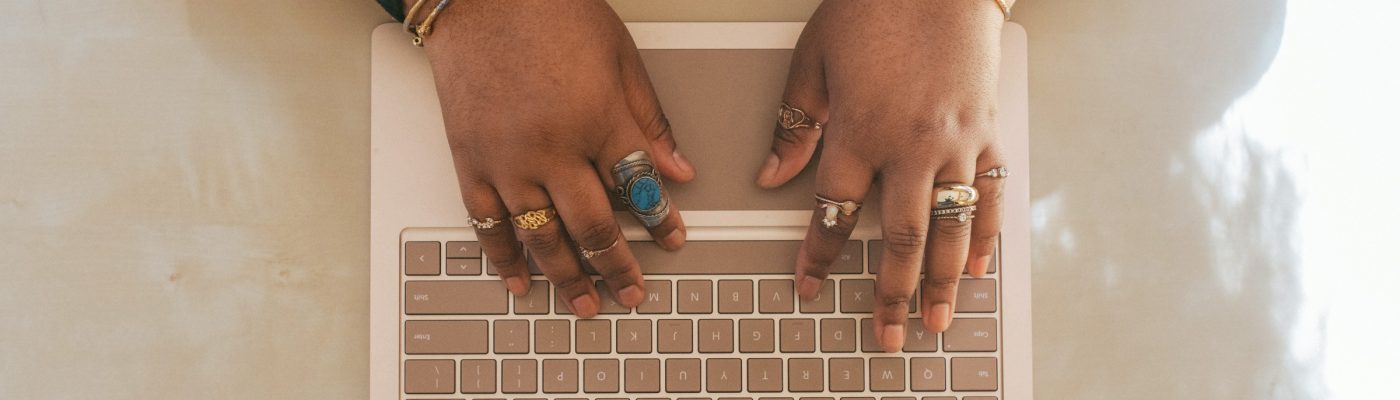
(720, 320)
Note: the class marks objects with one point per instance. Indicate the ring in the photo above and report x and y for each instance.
(961, 213)
(998, 172)
(483, 224)
(832, 207)
(589, 254)
(790, 118)
(534, 219)
(954, 195)
(639, 187)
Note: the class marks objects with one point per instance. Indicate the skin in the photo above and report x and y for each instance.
(540, 98)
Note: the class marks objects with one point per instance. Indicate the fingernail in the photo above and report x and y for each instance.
(808, 286)
(682, 162)
(518, 285)
(631, 296)
(940, 315)
(585, 306)
(893, 337)
(979, 265)
(674, 240)
(770, 168)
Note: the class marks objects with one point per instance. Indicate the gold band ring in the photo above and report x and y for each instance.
(589, 254)
(949, 195)
(534, 219)
(790, 118)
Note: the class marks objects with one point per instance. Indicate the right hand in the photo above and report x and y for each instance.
(540, 99)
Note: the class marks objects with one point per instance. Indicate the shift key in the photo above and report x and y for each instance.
(454, 297)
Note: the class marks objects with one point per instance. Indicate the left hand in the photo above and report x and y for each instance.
(907, 91)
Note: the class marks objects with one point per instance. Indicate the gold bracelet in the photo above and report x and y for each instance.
(408, 18)
(1005, 9)
(426, 27)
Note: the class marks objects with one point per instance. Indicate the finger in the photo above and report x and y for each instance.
(946, 255)
(648, 116)
(986, 228)
(498, 241)
(905, 205)
(840, 177)
(551, 250)
(630, 171)
(806, 92)
(583, 206)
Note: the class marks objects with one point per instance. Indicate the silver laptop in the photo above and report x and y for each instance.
(720, 320)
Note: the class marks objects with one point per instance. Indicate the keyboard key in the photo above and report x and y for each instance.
(600, 376)
(926, 374)
(463, 266)
(552, 336)
(634, 336)
(478, 376)
(797, 335)
(716, 336)
(765, 375)
(775, 296)
(422, 258)
(519, 376)
(868, 343)
(444, 337)
(703, 257)
(919, 339)
(694, 297)
(454, 297)
(736, 297)
(805, 375)
(838, 335)
(608, 304)
(971, 334)
(825, 302)
(642, 376)
(560, 376)
(657, 299)
(756, 336)
(979, 398)
(887, 374)
(593, 336)
(673, 336)
(683, 375)
(512, 337)
(847, 374)
(536, 302)
(463, 250)
(857, 296)
(974, 374)
(723, 375)
(977, 296)
(955, 398)
(429, 376)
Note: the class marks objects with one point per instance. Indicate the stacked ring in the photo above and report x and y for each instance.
(534, 219)
(483, 224)
(954, 195)
(961, 214)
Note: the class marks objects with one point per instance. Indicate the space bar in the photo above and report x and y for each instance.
(736, 257)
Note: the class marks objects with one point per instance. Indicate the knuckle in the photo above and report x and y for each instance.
(952, 231)
(905, 239)
(941, 284)
(597, 233)
(895, 300)
(658, 127)
(573, 283)
(544, 242)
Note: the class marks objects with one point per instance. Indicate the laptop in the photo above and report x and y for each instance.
(720, 320)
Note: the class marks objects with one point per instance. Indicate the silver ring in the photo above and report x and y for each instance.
(589, 254)
(484, 224)
(951, 195)
(960, 217)
(997, 172)
(639, 187)
(832, 207)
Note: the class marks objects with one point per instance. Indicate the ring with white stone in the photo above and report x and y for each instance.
(998, 172)
(485, 223)
(961, 214)
(833, 207)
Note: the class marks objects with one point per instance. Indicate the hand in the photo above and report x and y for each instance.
(906, 90)
(541, 99)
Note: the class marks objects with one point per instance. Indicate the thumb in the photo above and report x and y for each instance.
(804, 108)
(646, 110)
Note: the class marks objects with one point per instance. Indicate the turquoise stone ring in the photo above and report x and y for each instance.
(639, 187)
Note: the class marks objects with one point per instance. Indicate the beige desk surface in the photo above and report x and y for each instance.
(184, 193)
